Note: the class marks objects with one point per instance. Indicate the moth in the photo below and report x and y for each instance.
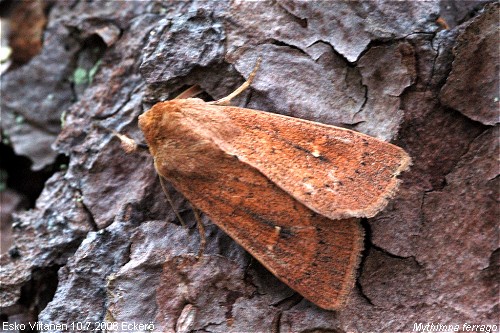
(289, 191)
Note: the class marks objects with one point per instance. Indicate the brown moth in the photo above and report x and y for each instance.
(288, 190)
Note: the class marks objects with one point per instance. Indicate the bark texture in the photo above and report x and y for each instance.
(102, 244)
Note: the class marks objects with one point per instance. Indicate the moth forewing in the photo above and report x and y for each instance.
(336, 172)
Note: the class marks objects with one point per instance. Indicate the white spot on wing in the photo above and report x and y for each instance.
(309, 188)
(332, 180)
(341, 139)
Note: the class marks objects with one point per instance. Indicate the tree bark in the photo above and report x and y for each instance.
(103, 245)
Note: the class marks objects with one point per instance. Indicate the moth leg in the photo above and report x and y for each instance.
(190, 92)
(128, 144)
(169, 199)
(226, 100)
(201, 231)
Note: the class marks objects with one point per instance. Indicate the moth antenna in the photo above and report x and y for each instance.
(190, 92)
(201, 231)
(169, 199)
(226, 100)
